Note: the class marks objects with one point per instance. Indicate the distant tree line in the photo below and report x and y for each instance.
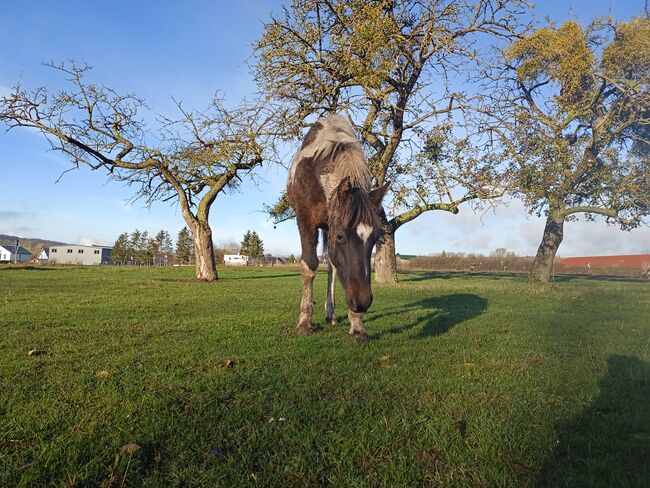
(499, 260)
(139, 248)
(252, 246)
(185, 247)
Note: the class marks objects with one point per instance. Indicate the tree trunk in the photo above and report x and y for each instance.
(385, 261)
(206, 267)
(542, 270)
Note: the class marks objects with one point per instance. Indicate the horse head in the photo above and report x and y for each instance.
(354, 227)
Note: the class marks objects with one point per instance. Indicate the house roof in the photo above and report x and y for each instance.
(21, 250)
(623, 261)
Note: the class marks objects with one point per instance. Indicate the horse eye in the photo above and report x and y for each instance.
(340, 237)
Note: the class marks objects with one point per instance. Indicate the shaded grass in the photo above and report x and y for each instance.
(467, 381)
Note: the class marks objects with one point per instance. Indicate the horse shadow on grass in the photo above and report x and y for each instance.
(435, 315)
(608, 444)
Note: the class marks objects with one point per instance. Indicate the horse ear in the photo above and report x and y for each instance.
(344, 186)
(378, 194)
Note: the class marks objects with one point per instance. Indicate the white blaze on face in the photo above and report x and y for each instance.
(364, 231)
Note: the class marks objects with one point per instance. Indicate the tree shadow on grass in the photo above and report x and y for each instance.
(24, 268)
(263, 276)
(447, 275)
(597, 277)
(608, 444)
(437, 315)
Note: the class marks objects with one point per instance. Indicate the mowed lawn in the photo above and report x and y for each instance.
(468, 380)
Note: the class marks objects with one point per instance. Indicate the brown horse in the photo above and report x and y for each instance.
(329, 189)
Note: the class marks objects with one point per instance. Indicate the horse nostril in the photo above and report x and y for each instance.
(364, 305)
(360, 305)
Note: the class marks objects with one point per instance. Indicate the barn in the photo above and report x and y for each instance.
(630, 261)
(626, 265)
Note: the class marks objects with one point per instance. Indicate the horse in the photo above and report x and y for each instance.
(329, 189)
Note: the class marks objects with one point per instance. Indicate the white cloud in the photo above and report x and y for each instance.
(513, 228)
(87, 241)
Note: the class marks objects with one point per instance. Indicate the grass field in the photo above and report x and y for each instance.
(466, 381)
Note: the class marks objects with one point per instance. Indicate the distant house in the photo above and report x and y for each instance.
(235, 260)
(270, 260)
(9, 254)
(77, 254)
(42, 257)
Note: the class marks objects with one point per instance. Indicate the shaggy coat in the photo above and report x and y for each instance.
(329, 189)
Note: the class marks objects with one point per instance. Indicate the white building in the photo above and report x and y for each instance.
(43, 256)
(8, 254)
(235, 260)
(77, 254)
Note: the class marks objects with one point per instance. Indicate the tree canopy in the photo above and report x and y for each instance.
(189, 159)
(389, 65)
(569, 109)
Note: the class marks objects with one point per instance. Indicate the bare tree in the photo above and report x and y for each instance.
(569, 110)
(189, 160)
(388, 65)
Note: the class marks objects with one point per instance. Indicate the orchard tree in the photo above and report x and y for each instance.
(189, 159)
(569, 112)
(390, 66)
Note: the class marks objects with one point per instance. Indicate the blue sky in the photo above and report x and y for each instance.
(189, 50)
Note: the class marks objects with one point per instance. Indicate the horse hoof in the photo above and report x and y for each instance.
(304, 330)
(330, 320)
(359, 337)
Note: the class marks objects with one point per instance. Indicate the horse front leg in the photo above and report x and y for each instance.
(357, 330)
(330, 315)
(308, 267)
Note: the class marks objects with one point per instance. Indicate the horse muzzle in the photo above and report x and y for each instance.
(359, 298)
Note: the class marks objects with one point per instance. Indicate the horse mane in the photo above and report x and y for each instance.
(352, 208)
(333, 142)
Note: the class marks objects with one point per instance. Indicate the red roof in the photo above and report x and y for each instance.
(625, 261)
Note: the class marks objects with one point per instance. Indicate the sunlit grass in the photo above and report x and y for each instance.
(466, 381)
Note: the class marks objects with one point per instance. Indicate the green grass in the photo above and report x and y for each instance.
(466, 381)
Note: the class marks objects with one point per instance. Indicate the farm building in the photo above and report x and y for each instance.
(630, 261)
(77, 254)
(235, 260)
(11, 254)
